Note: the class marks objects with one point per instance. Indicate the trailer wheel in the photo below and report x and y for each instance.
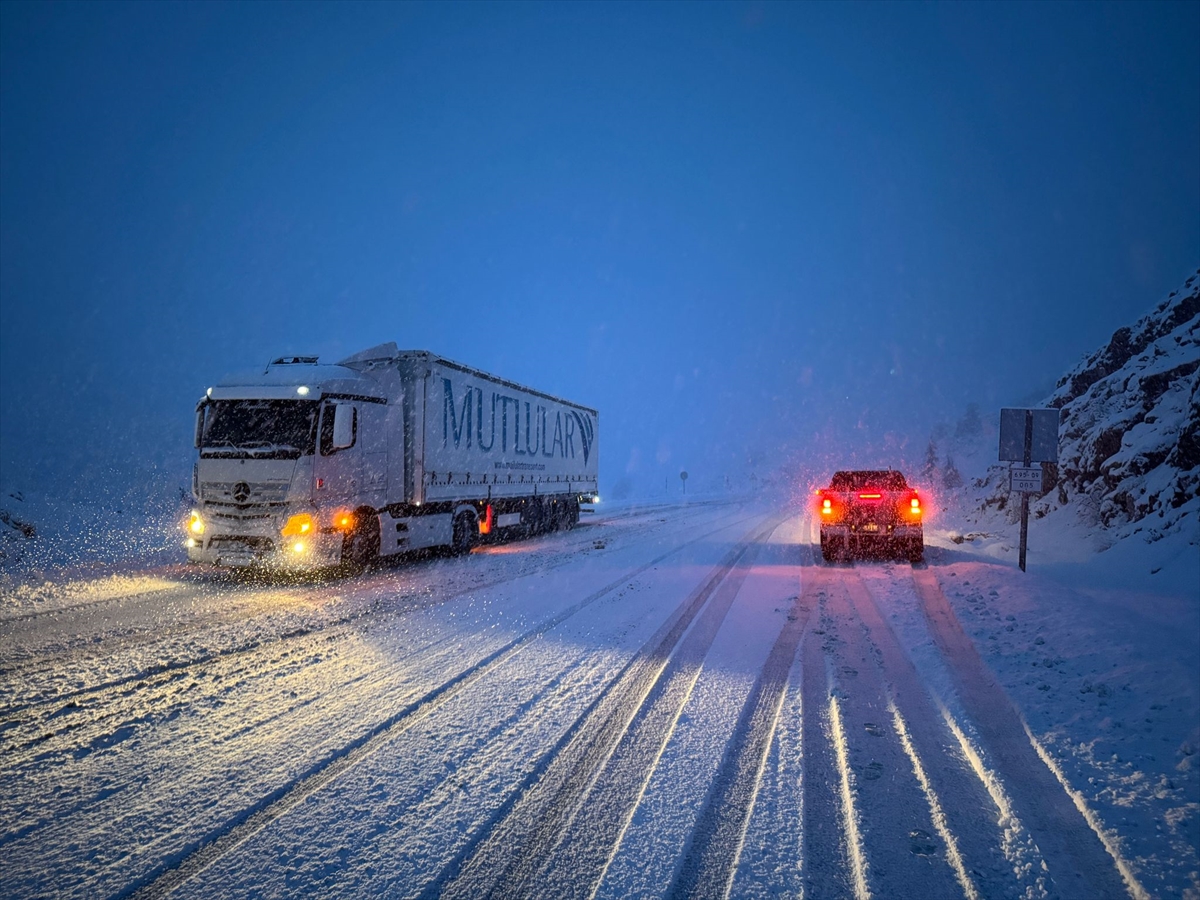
(465, 531)
(535, 515)
(361, 546)
(565, 513)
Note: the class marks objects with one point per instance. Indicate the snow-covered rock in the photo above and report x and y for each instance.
(1129, 435)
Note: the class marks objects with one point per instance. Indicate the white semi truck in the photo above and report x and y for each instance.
(303, 465)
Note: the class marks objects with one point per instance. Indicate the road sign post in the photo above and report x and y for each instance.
(683, 478)
(1028, 435)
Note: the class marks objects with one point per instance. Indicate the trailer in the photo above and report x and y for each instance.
(304, 465)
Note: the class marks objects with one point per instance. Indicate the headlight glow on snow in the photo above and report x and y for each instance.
(196, 524)
(301, 523)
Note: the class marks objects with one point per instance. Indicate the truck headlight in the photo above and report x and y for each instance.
(299, 524)
(196, 524)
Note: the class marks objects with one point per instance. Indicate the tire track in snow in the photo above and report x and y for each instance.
(1081, 859)
(199, 854)
(363, 587)
(827, 865)
(956, 795)
(850, 815)
(506, 855)
(895, 823)
(710, 860)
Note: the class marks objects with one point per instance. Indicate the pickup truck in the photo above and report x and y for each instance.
(870, 512)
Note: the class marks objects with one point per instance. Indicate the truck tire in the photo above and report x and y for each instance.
(566, 514)
(916, 550)
(536, 515)
(833, 549)
(361, 546)
(465, 534)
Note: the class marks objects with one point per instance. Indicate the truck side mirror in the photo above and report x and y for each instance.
(343, 426)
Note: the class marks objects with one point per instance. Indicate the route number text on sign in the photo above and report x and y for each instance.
(1028, 481)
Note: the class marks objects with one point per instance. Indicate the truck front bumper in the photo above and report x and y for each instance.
(268, 552)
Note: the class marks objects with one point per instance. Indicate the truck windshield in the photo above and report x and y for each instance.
(259, 429)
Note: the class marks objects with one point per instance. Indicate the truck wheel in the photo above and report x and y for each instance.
(916, 551)
(535, 512)
(361, 546)
(833, 549)
(566, 514)
(465, 531)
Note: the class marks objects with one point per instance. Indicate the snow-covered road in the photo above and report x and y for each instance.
(664, 702)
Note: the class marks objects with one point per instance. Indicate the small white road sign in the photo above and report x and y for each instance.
(1027, 480)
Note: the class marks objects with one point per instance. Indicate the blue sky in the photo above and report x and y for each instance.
(735, 229)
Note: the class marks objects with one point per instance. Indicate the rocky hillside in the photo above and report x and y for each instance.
(1129, 451)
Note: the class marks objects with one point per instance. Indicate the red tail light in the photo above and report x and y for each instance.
(869, 496)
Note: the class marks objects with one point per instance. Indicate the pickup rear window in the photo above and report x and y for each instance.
(885, 480)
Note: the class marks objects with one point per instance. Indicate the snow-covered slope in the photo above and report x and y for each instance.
(1129, 448)
(1131, 421)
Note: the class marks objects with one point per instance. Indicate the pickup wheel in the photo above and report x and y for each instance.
(833, 549)
(361, 546)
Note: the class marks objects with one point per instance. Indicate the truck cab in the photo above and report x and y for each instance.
(287, 456)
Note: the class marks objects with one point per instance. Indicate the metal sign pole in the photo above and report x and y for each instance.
(1025, 494)
(1027, 435)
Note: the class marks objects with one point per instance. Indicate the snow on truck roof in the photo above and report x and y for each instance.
(884, 479)
(285, 374)
(284, 378)
(389, 352)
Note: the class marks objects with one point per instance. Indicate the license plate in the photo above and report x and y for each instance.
(871, 526)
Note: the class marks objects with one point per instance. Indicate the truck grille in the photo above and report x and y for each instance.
(256, 545)
(243, 493)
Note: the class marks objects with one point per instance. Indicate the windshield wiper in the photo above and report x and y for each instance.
(259, 447)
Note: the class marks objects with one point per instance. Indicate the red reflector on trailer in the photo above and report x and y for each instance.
(869, 496)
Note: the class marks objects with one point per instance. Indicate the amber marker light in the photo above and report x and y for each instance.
(299, 524)
(196, 524)
(343, 520)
